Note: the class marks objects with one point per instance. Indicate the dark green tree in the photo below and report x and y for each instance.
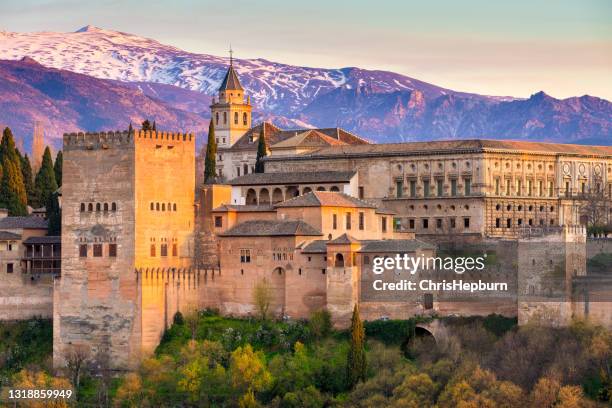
(54, 214)
(356, 361)
(57, 167)
(262, 150)
(131, 128)
(210, 162)
(146, 125)
(12, 188)
(154, 127)
(45, 184)
(28, 179)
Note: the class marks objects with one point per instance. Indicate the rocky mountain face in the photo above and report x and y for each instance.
(379, 105)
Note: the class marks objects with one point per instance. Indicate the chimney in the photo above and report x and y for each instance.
(3, 213)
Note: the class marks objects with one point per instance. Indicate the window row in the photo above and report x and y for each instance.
(438, 184)
(89, 207)
(163, 250)
(519, 222)
(348, 223)
(97, 250)
(245, 118)
(529, 189)
(162, 207)
(425, 223)
(510, 207)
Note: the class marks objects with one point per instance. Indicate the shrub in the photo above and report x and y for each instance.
(320, 323)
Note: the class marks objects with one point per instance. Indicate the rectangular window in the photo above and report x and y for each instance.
(97, 250)
(361, 221)
(439, 223)
(411, 223)
(384, 224)
(551, 188)
(425, 188)
(583, 187)
(466, 223)
(334, 221)
(348, 220)
(399, 188)
(218, 221)
(540, 188)
(397, 224)
(413, 188)
(496, 186)
(497, 223)
(529, 188)
(467, 185)
(9, 268)
(174, 249)
(10, 246)
(83, 250)
(509, 223)
(453, 222)
(163, 250)
(508, 181)
(519, 185)
(112, 250)
(237, 171)
(245, 256)
(425, 223)
(152, 251)
(440, 187)
(361, 192)
(454, 187)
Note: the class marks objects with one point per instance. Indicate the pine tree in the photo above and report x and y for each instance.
(54, 214)
(12, 189)
(356, 363)
(146, 125)
(262, 150)
(28, 180)
(210, 162)
(45, 183)
(57, 167)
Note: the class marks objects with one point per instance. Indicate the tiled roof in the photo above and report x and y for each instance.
(263, 228)
(243, 208)
(274, 135)
(308, 138)
(318, 246)
(385, 211)
(325, 199)
(9, 236)
(309, 177)
(53, 239)
(451, 146)
(23, 223)
(343, 239)
(394, 245)
(231, 81)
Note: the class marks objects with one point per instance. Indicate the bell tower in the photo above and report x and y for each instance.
(231, 112)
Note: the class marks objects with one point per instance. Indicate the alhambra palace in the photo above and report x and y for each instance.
(144, 237)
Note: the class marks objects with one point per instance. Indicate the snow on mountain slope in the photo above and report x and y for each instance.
(279, 88)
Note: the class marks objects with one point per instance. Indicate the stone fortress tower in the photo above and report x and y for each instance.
(128, 213)
(231, 112)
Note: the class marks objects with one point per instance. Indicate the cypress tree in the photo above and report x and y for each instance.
(356, 362)
(146, 125)
(54, 214)
(12, 189)
(45, 183)
(262, 150)
(154, 127)
(28, 181)
(210, 162)
(57, 167)
(130, 128)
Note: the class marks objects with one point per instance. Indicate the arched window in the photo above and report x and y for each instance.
(163, 206)
(98, 206)
(82, 207)
(157, 206)
(90, 207)
(114, 207)
(235, 118)
(152, 206)
(174, 207)
(334, 188)
(245, 119)
(245, 168)
(339, 260)
(152, 249)
(105, 207)
(225, 118)
(169, 207)
(217, 118)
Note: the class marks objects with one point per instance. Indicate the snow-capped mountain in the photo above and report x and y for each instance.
(379, 105)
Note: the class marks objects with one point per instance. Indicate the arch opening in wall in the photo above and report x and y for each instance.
(421, 340)
(279, 271)
(334, 189)
(264, 196)
(292, 192)
(277, 196)
(320, 188)
(306, 190)
(339, 261)
(251, 197)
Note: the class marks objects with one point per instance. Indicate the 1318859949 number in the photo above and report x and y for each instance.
(18, 394)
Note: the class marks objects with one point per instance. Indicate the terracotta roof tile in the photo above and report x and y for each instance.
(293, 178)
(243, 208)
(263, 228)
(394, 245)
(325, 199)
(9, 236)
(23, 223)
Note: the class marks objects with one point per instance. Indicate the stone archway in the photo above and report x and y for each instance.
(251, 197)
(306, 190)
(320, 188)
(277, 196)
(335, 189)
(292, 192)
(339, 261)
(264, 196)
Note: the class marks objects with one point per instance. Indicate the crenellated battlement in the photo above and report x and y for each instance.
(105, 140)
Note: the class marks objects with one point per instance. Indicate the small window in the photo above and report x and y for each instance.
(9, 268)
(466, 223)
(97, 250)
(334, 221)
(439, 223)
(361, 192)
(411, 223)
(163, 206)
(453, 223)
(348, 220)
(152, 251)
(174, 207)
(425, 223)
(497, 223)
(157, 206)
(82, 207)
(217, 119)
(164, 250)
(152, 206)
(105, 207)
(90, 207)
(112, 250)
(245, 119)
(245, 256)
(384, 224)
(235, 118)
(83, 251)
(218, 221)
(98, 207)
(361, 221)
(428, 300)
(114, 207)
(174, 249)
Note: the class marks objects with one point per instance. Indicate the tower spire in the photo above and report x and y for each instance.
(231, 53)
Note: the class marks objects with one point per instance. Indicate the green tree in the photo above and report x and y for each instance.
(45, 184)
(262, 150)
(131, 128)
(248, 370)
(210, 162)
(154, 127)
(356, 361)
(146, 125)
(28, 180)
(13, 194)
(57, 167)
(54, 214)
